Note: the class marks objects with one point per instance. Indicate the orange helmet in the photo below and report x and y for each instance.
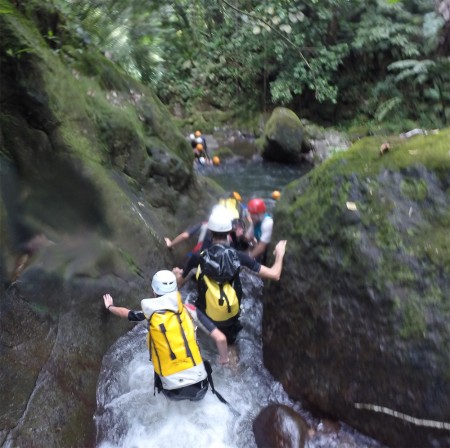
(198, 133)
(216, 161)
(276, 194)
(236, 196)
(256, 206)
(199, 147)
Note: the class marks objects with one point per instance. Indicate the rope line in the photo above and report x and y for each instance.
(405, 417)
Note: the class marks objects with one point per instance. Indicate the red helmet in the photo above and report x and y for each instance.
(256, 206)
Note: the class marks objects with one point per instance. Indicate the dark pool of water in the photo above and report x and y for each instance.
(255, 178)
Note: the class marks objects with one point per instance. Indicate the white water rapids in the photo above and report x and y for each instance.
(130, 416)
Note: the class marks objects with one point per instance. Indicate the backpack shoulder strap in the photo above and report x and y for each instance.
(208, 369)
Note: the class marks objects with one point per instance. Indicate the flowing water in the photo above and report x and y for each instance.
(130, 415)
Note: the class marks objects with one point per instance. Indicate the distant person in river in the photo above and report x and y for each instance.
(201, 156)
(259, 232)
(200, 148)
(217, 272)
(180, 371)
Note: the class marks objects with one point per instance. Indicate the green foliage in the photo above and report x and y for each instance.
(384, 27)
(252, 56)
(385, 108)
(432, 79)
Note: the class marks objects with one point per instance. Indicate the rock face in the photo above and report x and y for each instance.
(284, 138)
(93, 175)
(359, 325)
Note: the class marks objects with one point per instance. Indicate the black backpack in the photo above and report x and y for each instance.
(220, 263)
(218, 269)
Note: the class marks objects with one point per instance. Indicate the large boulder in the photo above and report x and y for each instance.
(359, 325)
(93, 175)
(284, 138)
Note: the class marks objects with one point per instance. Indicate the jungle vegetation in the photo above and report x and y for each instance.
(376, 62)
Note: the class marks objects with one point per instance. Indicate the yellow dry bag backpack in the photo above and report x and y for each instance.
(218, 269)
(172, 341)
(232, 205)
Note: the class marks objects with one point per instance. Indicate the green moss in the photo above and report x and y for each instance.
(431, 151)
(433, 242)
(259, 143)
(125, 116)
(415, 190)
(82, 143)
(130, 262)
(358, 131)
(282, 115)
(413, 321)
(315, 212)
(108, 74)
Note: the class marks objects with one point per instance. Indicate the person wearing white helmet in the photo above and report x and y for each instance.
(229, 262)
(180, 373)
(204, 234)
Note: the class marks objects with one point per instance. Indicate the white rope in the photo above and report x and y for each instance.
(405, 417)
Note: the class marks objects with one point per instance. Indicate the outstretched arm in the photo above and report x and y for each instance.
(274, 272)
(177, 240)
(117, 310)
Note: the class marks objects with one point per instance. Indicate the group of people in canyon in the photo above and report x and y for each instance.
(233, 237)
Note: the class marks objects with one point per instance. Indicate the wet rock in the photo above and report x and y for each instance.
(279, 426)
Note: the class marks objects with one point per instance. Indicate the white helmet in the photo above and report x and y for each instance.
(199, 140)
(220, 220)
(164, 282)
(202, 160)
(192, 136)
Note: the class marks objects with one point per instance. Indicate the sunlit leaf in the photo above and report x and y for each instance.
(256, 29)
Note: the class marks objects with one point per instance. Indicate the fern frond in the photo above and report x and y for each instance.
(386, 107)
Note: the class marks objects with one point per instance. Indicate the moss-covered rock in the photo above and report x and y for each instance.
(361, 317)
(284, 138)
